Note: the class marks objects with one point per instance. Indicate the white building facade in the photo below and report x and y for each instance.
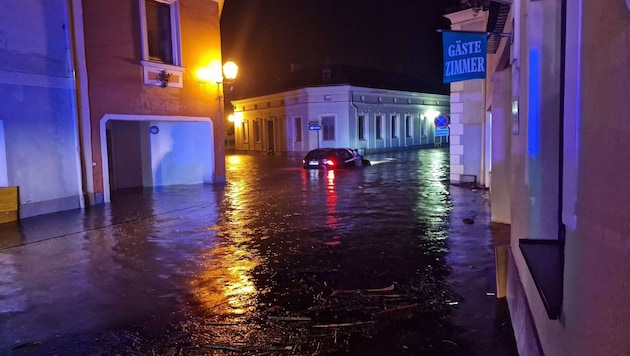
(370, 120)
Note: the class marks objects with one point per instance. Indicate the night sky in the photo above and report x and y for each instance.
(265, 37)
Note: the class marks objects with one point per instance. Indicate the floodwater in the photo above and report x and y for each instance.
(278, 261)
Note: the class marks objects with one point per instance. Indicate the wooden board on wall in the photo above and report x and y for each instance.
(501, 258)
(8, 204)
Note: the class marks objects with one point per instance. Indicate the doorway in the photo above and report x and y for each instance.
(151, 151)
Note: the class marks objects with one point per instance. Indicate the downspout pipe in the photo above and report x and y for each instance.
(81, 99)
(356, 115)
(563, 51)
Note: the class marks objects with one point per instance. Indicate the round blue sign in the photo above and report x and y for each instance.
(441, 121)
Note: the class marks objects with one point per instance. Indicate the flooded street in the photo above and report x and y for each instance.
(278, 261)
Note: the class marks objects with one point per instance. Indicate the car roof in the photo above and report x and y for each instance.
(330, 149)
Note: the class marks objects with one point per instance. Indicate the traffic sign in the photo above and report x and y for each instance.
(441, 132)
(441, 121)
(314, 125)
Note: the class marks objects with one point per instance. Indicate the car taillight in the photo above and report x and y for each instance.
(329, 162)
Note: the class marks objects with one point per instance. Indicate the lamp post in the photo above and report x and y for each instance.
(230, 70)
(220, 75)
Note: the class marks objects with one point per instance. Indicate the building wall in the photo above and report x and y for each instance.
(594, 315)
(499, 99)
(598, 247)
(535, 152)
(344, 103)
(501, 136)
(468, 113)
(116, 85)
(38, 107)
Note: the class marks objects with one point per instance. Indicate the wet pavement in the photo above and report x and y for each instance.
(385, 260)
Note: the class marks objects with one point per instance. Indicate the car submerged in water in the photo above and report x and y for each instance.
(331, 158)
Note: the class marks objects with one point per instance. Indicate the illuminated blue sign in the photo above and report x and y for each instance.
(441, 132)
(464, 55)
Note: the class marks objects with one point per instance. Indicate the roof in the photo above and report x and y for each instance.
(350, 75)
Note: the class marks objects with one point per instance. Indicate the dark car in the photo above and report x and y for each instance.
(330, 158)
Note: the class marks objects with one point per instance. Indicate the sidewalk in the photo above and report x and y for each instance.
(484, 317)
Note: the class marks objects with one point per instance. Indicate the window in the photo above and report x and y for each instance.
(257, 136)
(160, 42)
(379, 127)
(394, 126)
(423, 126)
(361, 127)
(328, 126)
(408, 126)
(159, 32)
(245, 131)
(298, 129)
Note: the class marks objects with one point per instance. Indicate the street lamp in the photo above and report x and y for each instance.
(230, 70)
(221, 75)
(214, 73)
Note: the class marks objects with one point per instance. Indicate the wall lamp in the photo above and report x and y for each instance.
(236, 118)
(432, 114)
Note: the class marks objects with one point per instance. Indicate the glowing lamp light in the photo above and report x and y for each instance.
(432, 114)
(230, 70)
(236, 118)
(210, 73)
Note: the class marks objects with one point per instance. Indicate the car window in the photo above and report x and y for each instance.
(345, 155)
(315, 155)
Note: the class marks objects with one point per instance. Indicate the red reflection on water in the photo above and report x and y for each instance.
(317, 180)
(331, 200)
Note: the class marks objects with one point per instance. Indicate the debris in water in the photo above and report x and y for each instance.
(28, 344)
(353, 291)
(399, 308)
(288, 318)
(341, 325)
(450, 342)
